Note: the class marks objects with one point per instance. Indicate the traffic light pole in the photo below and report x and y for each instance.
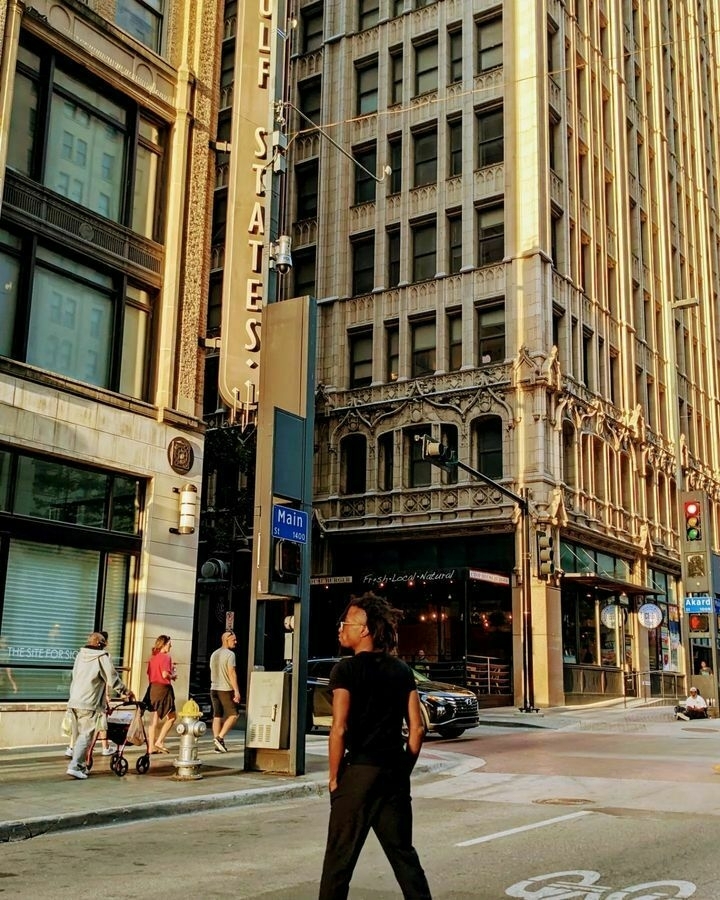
(439, 456)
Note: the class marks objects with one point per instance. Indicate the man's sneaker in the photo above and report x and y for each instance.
(76, 773)
(111, 748)
(683, 717)
(220, 745)
(69, 752)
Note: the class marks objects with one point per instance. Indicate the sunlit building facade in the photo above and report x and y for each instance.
(107, 111)
(533, 282)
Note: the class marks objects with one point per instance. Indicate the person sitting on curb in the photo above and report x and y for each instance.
(695, 707)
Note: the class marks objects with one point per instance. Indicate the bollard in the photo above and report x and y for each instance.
(190, 728)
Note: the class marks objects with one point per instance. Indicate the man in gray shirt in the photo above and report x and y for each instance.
(224, 690)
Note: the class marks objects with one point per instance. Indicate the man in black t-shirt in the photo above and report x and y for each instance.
(370, 763)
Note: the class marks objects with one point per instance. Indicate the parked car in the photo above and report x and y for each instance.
(448, 710)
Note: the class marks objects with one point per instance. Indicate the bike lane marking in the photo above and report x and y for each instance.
(521, 828)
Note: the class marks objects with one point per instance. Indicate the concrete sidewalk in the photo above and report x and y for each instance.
(37, 797)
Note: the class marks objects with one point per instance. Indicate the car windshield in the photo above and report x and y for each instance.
(419, 677)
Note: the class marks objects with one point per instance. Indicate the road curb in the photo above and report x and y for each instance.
(137, 812)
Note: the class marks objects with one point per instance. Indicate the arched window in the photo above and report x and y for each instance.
(353, 467)
(386, 461)
(488, 446)
(569, 463)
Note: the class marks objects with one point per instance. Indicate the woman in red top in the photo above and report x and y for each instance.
(161, 674)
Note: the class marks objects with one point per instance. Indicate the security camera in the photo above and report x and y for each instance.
(281, 256)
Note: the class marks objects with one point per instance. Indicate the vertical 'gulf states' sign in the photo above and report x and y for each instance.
(242, 296)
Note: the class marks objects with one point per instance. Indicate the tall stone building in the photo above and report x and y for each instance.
(533, 284)
(107, 113)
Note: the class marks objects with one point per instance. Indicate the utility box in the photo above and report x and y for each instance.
(268, 711)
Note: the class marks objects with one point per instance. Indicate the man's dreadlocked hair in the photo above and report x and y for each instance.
(382, 620)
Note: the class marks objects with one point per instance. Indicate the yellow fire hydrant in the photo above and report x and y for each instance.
(190, 728)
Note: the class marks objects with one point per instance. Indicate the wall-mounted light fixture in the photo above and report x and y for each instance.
(187, 509)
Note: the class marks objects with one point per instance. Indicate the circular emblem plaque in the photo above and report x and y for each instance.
(609, 616)
(180, 455)
(650, 615)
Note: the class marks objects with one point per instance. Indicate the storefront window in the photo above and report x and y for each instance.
(65, 569)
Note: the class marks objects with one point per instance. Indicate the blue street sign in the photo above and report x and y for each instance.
(289, 524)
(698, 604)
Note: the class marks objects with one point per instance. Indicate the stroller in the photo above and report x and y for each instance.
(119, 719)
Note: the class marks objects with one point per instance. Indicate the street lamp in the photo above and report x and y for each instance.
(444, 458)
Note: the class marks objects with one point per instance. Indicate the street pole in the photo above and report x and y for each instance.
(439, 455)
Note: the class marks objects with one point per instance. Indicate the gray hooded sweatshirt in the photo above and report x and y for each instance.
(93, 669)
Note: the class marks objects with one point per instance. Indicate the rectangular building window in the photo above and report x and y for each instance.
(454, 232)
(393, 256)
(365, 183)
(490, 137)
(398, 7)
(368, 12)
(392, 337)
(491, 335)
(423, 348)
(426, 67)
(363, 262)
(306, 187)
(424, 236)
(489, 45)
(396, 76)
(142, 19)
(454, 147)
(361, 357)
(425, 157)
(455, 72)
(304, 271)
(309, 102)
(491, 235)
(419, 472)
(312, 28)
(93, 152)
(366, 80)
(454, 332)
(396, 163)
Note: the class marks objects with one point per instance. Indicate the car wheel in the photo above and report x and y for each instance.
(450, 732)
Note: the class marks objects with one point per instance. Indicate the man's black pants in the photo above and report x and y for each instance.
(378, 798)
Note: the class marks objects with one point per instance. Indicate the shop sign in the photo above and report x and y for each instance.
(331, 579)
(650, 615)
(491, 577)
(431, 575)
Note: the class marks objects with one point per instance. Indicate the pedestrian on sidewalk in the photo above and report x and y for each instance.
(161, 673)
(695, 707)
(93, 677)
(224, 689)
(369, 762)
(108, 747)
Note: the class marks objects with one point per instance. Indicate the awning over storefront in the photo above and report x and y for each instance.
(607, 585)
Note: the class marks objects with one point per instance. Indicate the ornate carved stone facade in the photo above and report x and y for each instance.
(606, 388)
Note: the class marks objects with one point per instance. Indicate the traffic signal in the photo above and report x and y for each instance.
(287, 560)
(546, 554)
(436, 450)
(693, 521)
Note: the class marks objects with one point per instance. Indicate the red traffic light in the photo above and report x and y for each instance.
(693, 529)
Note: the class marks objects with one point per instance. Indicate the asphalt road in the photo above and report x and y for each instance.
(524, 814)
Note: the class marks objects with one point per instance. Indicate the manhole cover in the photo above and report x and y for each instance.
(563, 801)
